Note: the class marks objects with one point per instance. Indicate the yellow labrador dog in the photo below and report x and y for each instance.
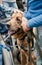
(23, 40)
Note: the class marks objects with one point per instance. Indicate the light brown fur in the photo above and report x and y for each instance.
(15, 23)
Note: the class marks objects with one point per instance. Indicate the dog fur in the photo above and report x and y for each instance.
(15, 23)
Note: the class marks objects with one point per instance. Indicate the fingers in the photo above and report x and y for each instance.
(24, 24)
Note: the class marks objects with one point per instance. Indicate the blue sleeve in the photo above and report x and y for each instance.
(35, 22)
(27, 14)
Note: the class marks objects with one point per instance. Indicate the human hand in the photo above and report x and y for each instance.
(25, 24)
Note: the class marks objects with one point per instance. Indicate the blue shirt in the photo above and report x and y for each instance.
(34, 13)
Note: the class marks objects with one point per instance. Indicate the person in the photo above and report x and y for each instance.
(24, 5)
(33, 14)
(0, 1)
(33, 18)
(20, 5)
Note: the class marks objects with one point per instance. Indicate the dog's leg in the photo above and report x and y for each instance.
(24, 57)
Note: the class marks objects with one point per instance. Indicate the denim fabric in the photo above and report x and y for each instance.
(10, 4)
(3, 28)
(7, 9)
(2, 13)
(0, 59)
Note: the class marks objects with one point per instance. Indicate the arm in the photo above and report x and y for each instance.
(35, 22)
(27, 15)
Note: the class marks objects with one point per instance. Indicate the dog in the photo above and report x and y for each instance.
(23, 39)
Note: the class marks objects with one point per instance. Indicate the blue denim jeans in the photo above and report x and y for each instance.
(10, 4)
(8, 8)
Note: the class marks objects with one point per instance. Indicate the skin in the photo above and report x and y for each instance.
(24, 25)
(0, 1)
